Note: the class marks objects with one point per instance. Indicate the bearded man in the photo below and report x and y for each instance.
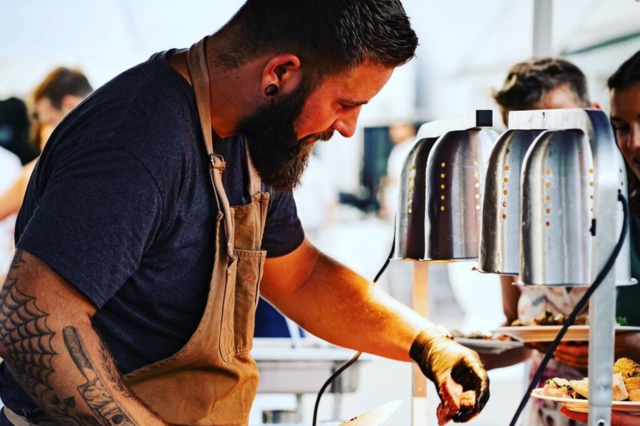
(161, 208)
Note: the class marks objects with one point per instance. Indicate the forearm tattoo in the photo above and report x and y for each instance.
(26, 337)
(93, 391)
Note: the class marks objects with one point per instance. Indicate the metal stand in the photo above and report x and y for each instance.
(420, 304)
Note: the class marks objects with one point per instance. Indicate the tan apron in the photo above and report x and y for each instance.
(213, 380)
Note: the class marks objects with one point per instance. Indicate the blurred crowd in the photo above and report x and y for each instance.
(25, 127)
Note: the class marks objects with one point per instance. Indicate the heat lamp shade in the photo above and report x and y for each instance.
(500, 226)
(453, 194)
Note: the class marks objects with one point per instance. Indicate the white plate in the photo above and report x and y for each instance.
(488, 345)
(546, 333)
(582, 405)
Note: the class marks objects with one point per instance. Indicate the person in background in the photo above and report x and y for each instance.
(540, 83)
(162, 207)
(624, 95)
(403, 136)
(15, 130)
(10, 168)
(60, 91)
(316, 204)
(399, 274)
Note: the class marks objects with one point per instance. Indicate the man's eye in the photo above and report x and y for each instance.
(621, 128)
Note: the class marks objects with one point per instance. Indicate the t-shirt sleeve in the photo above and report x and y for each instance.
(96, 214)
(283, 232)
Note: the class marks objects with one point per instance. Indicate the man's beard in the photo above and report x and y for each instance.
(278, 156)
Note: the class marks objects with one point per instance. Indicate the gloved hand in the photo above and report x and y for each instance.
(439, 356)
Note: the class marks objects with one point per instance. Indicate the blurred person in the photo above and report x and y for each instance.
(58, 93)
(316, 203)
(403, 136)
(10, 167)
(618, 418)
(540, 83)
(543, 83)
(398, 278)
(15, 129)
(135, 281)
(624, 96)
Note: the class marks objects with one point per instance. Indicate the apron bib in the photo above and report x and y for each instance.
(213, 379)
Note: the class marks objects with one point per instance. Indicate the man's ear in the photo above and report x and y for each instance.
(69, 102)
(282, 71)
(595, 105)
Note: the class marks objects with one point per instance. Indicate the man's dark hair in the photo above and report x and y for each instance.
(61, 82)
(527, 82)
(329, 36)
(627, 75)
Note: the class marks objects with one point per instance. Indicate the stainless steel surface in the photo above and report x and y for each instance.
(501, 222)
(304, 369)
(455, 170)
(581, 127)
(410, 217)
(281, 416)
(557, 210)
(438, 216)
(375, 416)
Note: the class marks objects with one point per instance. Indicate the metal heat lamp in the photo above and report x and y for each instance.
(551, 215)
(439, 210)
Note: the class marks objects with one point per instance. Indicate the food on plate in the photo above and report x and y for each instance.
(480, 335)
(453, 398)
(625, 384)
(548, 318)
(626, 367)
(630, 372)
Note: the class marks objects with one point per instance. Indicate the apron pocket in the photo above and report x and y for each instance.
(240, 300)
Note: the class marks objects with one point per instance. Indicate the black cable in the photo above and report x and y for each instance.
(578, 308)
(357, 355)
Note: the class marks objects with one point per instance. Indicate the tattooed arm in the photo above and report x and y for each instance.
(52, 350)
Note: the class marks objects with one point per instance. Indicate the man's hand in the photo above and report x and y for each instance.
(617, 418)
(440, 357)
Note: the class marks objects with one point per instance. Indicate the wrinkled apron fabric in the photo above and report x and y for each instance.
(213, 380)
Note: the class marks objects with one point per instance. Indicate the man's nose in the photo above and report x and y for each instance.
(346, 123)
(634, 137)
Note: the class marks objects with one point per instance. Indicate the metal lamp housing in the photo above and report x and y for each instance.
(440, 198)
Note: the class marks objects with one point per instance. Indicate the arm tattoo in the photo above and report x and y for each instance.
(26, 337)
(94, 392)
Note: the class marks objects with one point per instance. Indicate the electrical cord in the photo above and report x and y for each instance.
(577, 309)
(357, 355)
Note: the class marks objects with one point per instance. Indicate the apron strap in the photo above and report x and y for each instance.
(198, 70)
(255, 183)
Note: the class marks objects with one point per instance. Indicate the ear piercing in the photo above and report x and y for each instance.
(271, 90)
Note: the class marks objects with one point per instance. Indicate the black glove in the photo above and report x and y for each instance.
(439, 356)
